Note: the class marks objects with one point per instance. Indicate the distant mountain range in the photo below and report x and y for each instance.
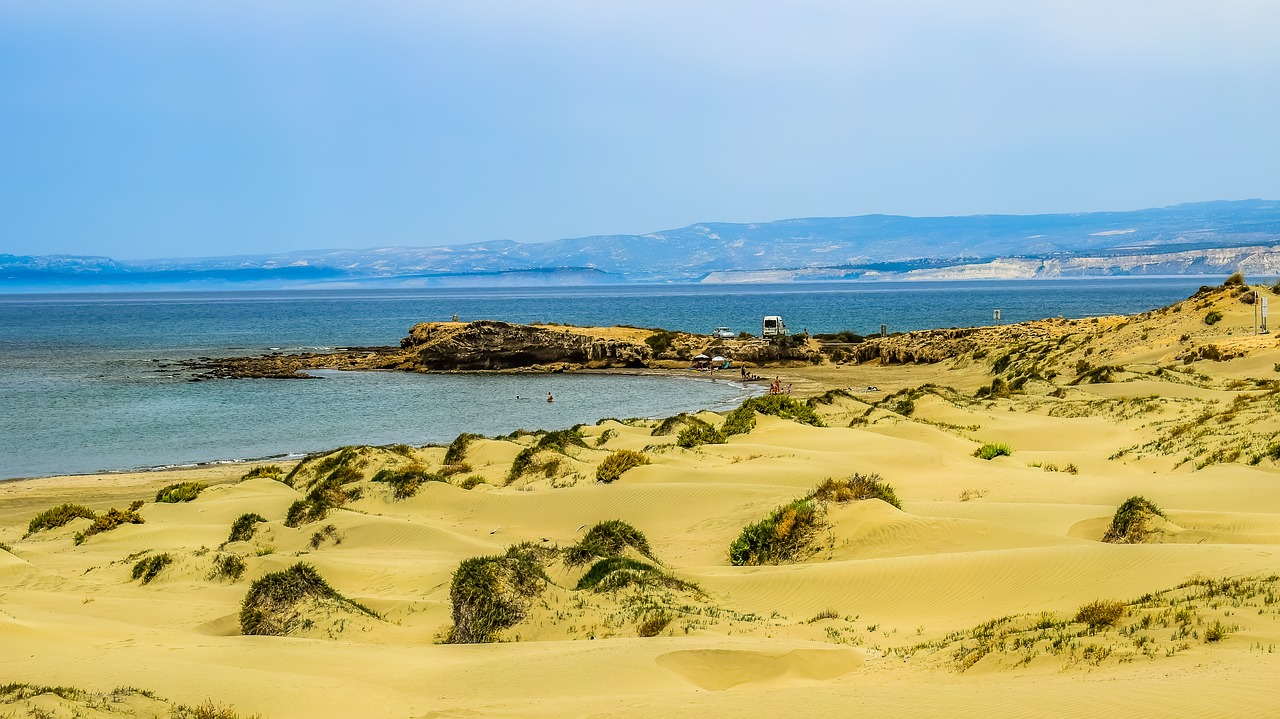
(1196, 238)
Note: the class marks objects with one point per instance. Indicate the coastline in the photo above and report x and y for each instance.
(291, 457)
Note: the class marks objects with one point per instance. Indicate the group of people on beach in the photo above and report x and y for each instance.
(775, 387)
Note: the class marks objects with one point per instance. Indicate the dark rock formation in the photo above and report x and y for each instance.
(489, 345)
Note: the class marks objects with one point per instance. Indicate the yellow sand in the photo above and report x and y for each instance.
(975, 540)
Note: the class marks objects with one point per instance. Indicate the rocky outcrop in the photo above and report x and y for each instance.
(490, 345)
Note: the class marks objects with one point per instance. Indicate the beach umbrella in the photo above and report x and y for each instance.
(717, 358)
(701, 357)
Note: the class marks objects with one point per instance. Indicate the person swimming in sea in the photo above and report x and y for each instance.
(550, 398)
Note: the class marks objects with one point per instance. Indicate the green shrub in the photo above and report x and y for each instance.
(699, 433)
(780, 405)
(489, 594)
(1235, 280)
(457, 452)
(1100, 614)
(740, 421)
(654, 623)
(266, 471)
(58, 516)
(329, 532)
(406, 481)
(1131, 523)
(617, 463)
(243, 529)
(604, 567)
(207, 710)
(149, 568)
(661, 341)
(472, 482)
(991, 451)
(857, 487)
(606, 539)
(605, 436)
(999, 389)
(325, 495)
(1216, 632)
(782, 536)
(1213, 318)
(1102, 374)
(110, 520)
(227, 566)
(180, 492)
(670, 424)
(561, 440)
(324, 463)
(521, 464)
(448, 470)
(275, 602)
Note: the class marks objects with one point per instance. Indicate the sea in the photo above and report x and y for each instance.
(89, 382)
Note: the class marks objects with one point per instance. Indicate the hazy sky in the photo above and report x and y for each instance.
(147, 129)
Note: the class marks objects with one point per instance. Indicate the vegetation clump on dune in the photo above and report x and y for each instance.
(856, 487)
(58, 516)
(227, 566)
(740, 421)
(654, 623)
(670, 424)
(1102, 613)
(406, 481)
(606, 568)
(610, 538)
(1131, 523)
(457, 452)
(785, 407)
(266, 471)
(617, 463)
(1213, 317)
(998, 389)
(493, 593)
(180, 492)
(561, 440)
(786, 534)
(991, 451)
(245, 526)
(696, 433)
(829, 397)
(782, 536)
(276, 603)
(605, 547)
(558, 441)
(111, 519)
(325, 495)
(148, 568)
(327, 532)
(324, 463)
(127, 700)
(743, 419)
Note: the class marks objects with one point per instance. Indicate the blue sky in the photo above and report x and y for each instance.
(152, 129)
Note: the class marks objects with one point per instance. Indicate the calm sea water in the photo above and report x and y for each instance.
(87, 382)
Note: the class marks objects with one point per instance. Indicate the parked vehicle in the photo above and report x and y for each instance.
(722, 333)
(773, 327)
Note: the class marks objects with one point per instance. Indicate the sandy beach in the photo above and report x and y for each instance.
(972, 597)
